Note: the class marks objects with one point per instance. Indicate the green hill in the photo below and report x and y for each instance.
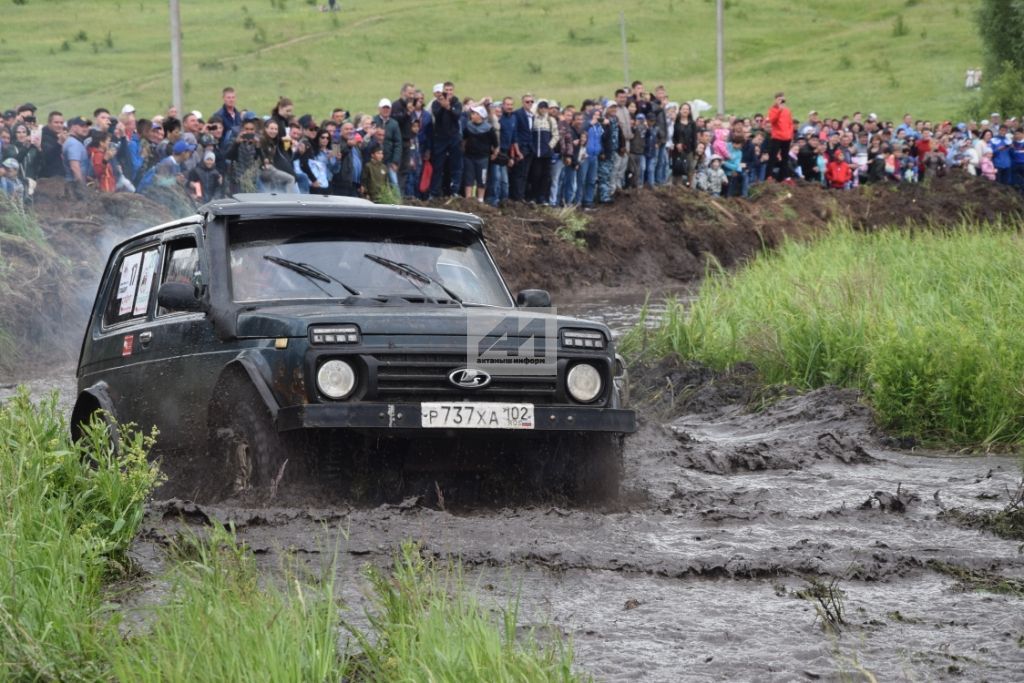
(888, 56)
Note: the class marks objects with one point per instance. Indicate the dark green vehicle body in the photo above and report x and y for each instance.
(166, 330)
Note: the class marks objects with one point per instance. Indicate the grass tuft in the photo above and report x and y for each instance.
(223, 623)
(427, 627)
(573, 226)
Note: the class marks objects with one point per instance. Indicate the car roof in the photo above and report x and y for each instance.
(284, 205)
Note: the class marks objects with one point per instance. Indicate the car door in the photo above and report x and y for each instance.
(116, 347)
(184, 356)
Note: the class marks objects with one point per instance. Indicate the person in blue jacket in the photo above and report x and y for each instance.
(586, 176)
(1017, 156)
(733, 167)
(1002, 147)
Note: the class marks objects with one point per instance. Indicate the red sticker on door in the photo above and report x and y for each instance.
(128, 345)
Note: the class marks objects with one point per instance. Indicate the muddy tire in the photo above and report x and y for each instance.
(244, 445)
(595, 466)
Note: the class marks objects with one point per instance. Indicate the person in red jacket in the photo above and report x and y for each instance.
(781, 119)
(100, 155)
(838, 172)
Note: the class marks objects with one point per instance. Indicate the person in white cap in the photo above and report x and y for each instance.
(481, 147)
(392, 139)
(10, 184)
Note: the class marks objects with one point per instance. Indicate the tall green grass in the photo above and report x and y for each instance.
(427, 626)
(222, 621)
(929, 324)
(68, 515)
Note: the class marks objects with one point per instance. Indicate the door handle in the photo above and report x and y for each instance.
(145, 338)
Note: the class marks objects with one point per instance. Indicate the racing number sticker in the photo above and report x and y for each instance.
(128, 345)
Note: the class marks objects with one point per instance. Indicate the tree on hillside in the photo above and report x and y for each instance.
(1001, 25)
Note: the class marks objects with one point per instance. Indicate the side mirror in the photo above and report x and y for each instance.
(179, 296)
(533, 298)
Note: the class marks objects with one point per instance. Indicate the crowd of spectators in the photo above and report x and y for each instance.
(492, 150)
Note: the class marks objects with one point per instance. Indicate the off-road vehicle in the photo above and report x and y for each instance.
(327, 332)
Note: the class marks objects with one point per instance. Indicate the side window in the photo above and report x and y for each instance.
(181, 263)
(132, 288)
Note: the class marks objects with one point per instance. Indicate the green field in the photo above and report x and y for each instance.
(832, 56)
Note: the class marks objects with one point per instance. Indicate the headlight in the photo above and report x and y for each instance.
(584, 383)
(583, 339)
(336, 334)
(336, 379)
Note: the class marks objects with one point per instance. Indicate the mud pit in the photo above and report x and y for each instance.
(695, 572)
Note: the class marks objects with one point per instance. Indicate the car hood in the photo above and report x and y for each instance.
(417, 319)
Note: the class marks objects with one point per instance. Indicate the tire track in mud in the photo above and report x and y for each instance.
(694, 573)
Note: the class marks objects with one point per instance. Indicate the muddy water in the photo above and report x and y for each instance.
(694, 573)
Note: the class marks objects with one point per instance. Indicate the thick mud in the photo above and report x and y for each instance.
(705, 567)
(738, 505)
(696, 572)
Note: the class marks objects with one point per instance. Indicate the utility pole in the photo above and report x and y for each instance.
(176, 98)
(625, 50)
(720, 17)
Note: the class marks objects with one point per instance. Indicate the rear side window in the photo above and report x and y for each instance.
(132, 288)
(181, 264)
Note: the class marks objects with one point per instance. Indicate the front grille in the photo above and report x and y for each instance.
(424, 377)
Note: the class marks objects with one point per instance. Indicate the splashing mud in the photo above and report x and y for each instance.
(705, 566)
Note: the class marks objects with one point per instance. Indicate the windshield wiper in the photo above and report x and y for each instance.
(311, 272)
(414, 274)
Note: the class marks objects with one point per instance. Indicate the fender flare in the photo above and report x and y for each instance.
(90, 400)
(255, 367)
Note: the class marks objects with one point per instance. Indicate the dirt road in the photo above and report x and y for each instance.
(729, 524)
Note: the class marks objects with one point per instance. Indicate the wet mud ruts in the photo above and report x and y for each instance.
(704, 566)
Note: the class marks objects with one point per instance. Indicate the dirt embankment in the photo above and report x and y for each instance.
(47, 287)
(647, 238)
(655, 237)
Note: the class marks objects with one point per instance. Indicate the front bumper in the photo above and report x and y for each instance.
(406, 416)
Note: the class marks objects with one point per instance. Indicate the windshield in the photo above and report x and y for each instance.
(273, 260)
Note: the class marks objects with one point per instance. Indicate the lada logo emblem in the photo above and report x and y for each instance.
(469, 378)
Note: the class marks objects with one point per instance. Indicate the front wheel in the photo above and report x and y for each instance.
(244, 443)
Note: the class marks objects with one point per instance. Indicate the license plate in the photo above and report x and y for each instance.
(477, 415)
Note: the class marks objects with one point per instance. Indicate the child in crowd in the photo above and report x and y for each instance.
(100, 155)
(712, 179)
(838, 172)
(909, 168)
(10, 184)
(205, 182)
(987, 166)
(375, 174)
